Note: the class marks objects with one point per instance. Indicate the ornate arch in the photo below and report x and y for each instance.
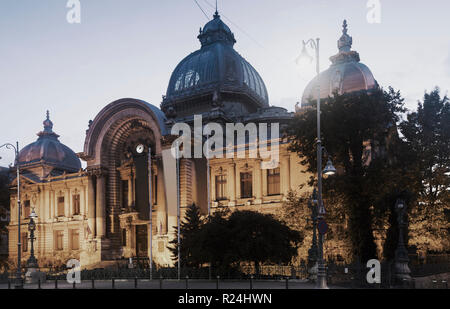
(105, 142)
(115, 114)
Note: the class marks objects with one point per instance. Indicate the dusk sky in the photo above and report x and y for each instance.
(129, 48)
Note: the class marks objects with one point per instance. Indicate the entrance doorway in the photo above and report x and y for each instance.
(141, 240)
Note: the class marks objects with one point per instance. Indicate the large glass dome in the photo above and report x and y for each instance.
(216, 66)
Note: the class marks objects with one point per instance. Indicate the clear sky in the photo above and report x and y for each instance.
(129, 48)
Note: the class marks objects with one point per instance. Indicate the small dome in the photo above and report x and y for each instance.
(49, 150)
(345, 75)
(216, 66)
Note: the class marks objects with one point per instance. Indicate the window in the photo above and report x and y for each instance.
(76, 204)
(60, 206)
(24, 242)
(75, 239)
(273, 181)
(221, 182)
(124, 193)
(246, 185)
(124, 237)
(155, 189)
(26, 209)
(59, 240)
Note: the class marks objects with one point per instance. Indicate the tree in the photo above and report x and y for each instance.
(4, 212)
(296, 213)
(190, 250)
(215, 240)
(4, 188)
(261, 238)
(427, 133)
(356, 130)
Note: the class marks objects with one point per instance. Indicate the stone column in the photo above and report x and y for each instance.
(212, 185)
(91, 206)
(284, 174)
(41, 207)
(50, 202)
(69, 192)
(100, 208)
(257, 181)
(83, 201)
(232, 182)
(264, 182)
(67, 203)
(130, 191)
(237, 182)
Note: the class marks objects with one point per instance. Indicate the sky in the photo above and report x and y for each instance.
(129, 48)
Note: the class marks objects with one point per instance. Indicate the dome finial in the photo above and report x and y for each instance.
(344, 27)
(48, 124)
(346, 41)
(216, 14)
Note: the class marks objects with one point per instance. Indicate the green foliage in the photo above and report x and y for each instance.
(260, 238)
(215, 240)
(190, 250)
(427, 134)
(356, 130)
(4, 190)
(225, 240)
(296, 212)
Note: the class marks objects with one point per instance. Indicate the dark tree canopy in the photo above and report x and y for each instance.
(190, 250)
(225, 240)
(357, 130)
(260, 238)
(215, 238)
(426, 133)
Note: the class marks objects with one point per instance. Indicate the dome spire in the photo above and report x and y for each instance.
(216, 30)
(48, 127)
(48, 124)
(345, 42)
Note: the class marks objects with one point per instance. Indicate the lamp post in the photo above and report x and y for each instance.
(19, 283)
(32, 261)
(150, 202)
(402, 271)
(312, 252)
(329, 169)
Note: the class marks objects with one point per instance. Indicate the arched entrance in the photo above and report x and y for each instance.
(122, 150)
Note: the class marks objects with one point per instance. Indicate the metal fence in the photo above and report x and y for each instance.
(345, 275)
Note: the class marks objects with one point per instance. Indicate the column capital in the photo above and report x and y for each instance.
(167, 140)
(97, 171)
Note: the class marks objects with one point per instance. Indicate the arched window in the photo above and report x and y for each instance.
(221, 183)
(273, 181)
(246, 185)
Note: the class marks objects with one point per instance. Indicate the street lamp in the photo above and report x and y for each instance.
(312, 252)
(402, 271)
(19, 283)
(329, 169)
(32, 261)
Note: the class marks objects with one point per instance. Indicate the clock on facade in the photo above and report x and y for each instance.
(140, 148)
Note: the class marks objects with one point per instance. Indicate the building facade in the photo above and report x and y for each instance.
(102, 212)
